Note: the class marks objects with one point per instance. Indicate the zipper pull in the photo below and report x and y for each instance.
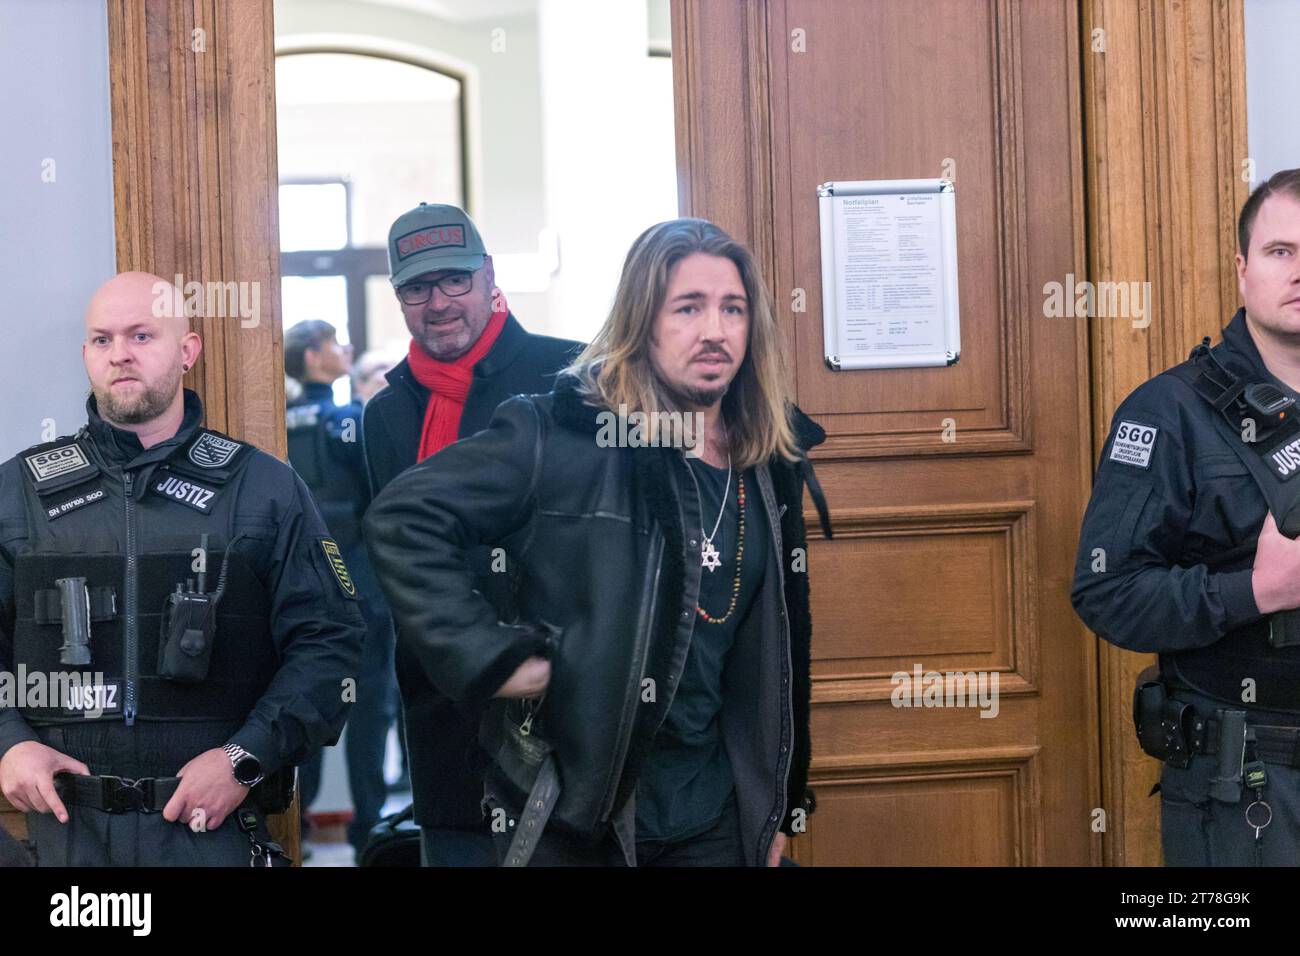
(530, 706)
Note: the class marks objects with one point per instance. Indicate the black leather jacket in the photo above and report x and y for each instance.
(446, 762)
(595, 541)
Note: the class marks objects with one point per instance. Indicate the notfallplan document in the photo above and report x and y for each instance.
(890, 293)
(890, 280)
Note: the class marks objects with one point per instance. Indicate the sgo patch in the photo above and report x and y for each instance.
(1133, 444)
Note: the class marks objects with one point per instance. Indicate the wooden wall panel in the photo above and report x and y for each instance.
(196, 187)
(974, 805)
(978, 555)
(1165, 111)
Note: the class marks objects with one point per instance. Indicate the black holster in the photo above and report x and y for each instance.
(1163, 724)
(275, 793)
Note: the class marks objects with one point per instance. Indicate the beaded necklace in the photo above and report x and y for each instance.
(740, 546)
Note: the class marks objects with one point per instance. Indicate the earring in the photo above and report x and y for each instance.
(185, 368)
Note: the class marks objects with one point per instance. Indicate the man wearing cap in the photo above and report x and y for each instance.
(468, 354)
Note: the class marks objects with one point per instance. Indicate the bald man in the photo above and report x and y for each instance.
(180, 626)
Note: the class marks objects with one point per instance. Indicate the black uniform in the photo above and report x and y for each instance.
(269, 677)
(325, 448)
(1165, 563)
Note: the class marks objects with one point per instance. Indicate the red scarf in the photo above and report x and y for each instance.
(448, 383)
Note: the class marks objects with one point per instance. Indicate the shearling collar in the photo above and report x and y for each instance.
(571, 411)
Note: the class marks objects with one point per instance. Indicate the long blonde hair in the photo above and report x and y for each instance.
(615, 370)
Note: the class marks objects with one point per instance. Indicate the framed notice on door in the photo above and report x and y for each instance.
(889, 273)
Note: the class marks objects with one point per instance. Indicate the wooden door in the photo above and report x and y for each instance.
(956, 492)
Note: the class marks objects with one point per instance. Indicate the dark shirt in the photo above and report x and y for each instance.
(686, 779)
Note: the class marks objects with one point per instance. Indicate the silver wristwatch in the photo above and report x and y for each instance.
(246, 768)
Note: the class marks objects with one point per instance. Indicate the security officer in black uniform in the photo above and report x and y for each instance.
(325, 448)
(1181, 554)
(177, 594)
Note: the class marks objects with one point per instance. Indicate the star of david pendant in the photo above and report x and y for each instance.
(709, 557)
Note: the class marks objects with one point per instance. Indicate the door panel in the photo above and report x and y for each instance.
(956, 492)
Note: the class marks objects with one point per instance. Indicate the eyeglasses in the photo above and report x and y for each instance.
(420, 291)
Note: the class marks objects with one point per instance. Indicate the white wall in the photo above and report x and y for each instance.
(608, 137)
(506, 177)
(56, 237)
(1272, 78)
(571, 129)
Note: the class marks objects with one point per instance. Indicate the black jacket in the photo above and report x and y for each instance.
(1168, 540)
(263, 512)
(446, 763)
(596, 538)
(325, 448)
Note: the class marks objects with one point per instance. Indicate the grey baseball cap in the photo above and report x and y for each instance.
(432, 237)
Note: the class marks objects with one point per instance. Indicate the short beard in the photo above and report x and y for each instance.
(145, 407)
(692, 397)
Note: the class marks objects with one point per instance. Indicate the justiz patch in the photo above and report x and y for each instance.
(186, 492)
(1286, 460)
(91, 700)
(1133, 444)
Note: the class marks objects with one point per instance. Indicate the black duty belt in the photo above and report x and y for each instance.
(1273, 744)
(150, 794)
(116, 794)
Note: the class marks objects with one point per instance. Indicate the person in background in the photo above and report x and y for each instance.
(368, 379)
(368, 374)
(326, 450)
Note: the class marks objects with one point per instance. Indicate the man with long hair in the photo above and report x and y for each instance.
(650, 697)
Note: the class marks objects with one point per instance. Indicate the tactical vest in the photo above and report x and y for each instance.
(134, 552)
(1266, 652)
(321, 460)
